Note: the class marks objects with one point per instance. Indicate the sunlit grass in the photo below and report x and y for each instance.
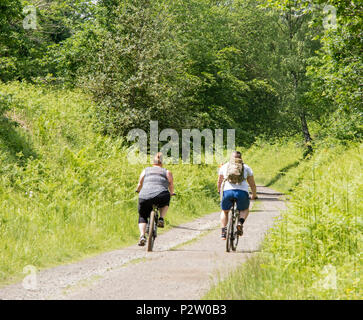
(66, 191)
(314, 251)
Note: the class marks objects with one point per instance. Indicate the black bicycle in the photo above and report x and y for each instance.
(152, 227)
(232, 236)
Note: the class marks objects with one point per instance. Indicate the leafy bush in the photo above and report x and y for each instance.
(5, 103)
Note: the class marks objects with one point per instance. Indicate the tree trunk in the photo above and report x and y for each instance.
(304, 125)
(306, 133)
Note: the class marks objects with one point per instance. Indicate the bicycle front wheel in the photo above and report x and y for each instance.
(151, 236)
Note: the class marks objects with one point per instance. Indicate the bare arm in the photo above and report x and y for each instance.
(251, 182)
(141, 181)
(169, 175)
(219, 183)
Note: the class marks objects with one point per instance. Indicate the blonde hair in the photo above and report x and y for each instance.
(158, 158)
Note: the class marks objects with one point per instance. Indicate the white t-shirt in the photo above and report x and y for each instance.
(247, 172)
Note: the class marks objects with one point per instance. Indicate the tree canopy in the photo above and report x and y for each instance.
(263, 67)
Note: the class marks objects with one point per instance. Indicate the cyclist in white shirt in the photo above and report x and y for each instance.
(237, 191)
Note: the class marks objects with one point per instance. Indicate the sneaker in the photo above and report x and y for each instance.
(142, 241)
(224, 234)
(161, 223)
(239, 229)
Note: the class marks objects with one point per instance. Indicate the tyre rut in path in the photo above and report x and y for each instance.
(172, 271)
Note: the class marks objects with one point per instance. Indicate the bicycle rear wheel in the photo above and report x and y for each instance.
(235, 237)
(229, 240)
(151, 236)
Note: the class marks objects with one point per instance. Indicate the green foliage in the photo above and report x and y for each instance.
(277, 163)
(295, 49)
(268, 70)
(252, 66)
(10, 13)
(67, 191)
(194, 64)
(336, 74)
(24, 52)
(313, 252)
(136, 75)
(5, 103)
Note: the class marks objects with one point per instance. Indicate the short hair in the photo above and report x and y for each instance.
(236, 154)
(158, 158)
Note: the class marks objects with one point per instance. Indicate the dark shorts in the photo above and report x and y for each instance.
(243, 199)
(145, 206)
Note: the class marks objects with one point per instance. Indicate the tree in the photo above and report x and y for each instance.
(24, 51)
(336, 72)
(137, 72)
(196, 63)
(230, 47)
(10, 42)
(297, 49)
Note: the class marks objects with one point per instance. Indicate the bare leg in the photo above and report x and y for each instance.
(163, 211)
(224, 218)
(142, 228)
(244, 213)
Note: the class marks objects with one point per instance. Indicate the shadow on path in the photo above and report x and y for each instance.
(270, 193)
(193, 229)
(282, 172)
(269, 199)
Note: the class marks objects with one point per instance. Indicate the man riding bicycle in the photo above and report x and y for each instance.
(233, 180)
(154, 185)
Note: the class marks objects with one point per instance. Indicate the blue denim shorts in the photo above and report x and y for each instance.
(243, 199)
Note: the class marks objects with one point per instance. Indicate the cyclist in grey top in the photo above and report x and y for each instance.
(154, 188)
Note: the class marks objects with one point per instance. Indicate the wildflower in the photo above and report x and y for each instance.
(30, 194)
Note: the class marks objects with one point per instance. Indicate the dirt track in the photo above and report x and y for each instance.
(177, 269)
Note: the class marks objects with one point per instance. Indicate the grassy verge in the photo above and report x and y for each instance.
(66, 191)
(314, 251)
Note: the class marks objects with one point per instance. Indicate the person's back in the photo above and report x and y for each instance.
(155, 182)
(155, 188)
(233, 181)
(243, 185)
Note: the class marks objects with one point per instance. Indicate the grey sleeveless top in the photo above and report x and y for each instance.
(155, 182)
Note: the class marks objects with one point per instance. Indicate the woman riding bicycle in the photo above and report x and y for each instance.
(154, 188)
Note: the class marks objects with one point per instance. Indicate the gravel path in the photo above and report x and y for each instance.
(186, 261)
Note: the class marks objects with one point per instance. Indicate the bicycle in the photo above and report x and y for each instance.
(232, 236)
(152, 226)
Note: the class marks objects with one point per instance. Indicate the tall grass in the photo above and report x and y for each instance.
(313, 252)
(67, 191)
